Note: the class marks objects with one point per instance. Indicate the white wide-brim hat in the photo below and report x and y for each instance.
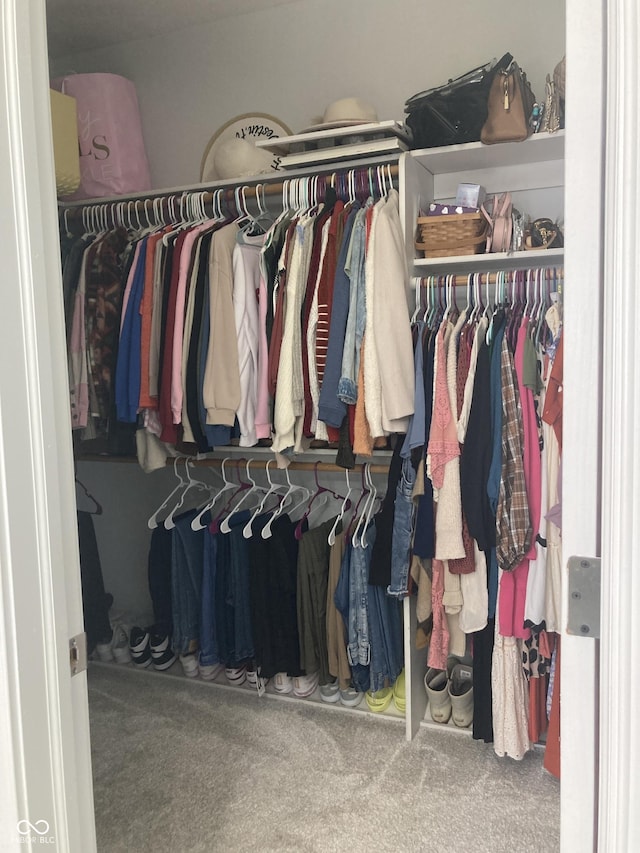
(239, 158)
(346, 112)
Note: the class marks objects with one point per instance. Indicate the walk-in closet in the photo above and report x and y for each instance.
(339, 512)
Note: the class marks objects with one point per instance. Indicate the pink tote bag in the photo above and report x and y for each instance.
(113, 160)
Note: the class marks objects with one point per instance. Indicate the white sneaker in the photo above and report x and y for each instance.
(120, 644)
(189, 665)
(208, 672)
(283, 683)
(305, 685)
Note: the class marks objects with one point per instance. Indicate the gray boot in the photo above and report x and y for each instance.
(435, 682)
(461, 694)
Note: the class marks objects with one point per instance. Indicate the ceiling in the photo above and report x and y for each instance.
(75, 25)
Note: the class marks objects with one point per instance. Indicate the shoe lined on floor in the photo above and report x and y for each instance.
(120, 644)
(380, 700)
(104, 652)
(236, 675)
(305, 685)
(436, 685)
(350, 697)
(461, 695)
(140, 647)
(162, 655)
(283, 683)
(399, 693)
(330, 692)
(189, 665)
(208, 672)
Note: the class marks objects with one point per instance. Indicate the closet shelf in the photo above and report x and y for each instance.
(492, 262)
(539, 148)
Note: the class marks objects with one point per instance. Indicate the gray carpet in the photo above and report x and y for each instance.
(181, 767)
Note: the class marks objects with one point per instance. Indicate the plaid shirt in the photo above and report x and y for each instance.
(513, 524)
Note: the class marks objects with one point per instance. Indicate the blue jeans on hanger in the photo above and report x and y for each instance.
(187, 555)
(209, 653)
(233, 594)
(358, 649)
(402, 530)
(385, 627)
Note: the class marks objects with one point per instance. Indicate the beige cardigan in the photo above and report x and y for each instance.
(221, 386)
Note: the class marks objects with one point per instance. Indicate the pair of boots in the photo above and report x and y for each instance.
(450, 693)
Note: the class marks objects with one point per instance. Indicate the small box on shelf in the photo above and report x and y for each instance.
(470, 195)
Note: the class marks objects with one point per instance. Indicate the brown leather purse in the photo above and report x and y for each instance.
(509, 107)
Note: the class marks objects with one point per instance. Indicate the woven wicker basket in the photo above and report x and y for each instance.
(452, 234)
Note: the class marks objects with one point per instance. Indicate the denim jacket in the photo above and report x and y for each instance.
(348, 384)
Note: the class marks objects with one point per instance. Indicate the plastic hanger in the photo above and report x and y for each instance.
(369, 514)
(364, 493)
(346, 503)
(227, 486)
(247, 531)
(320, 491)
(291, 490)
(358, 538)
(418, 293)
(225, 526)
(152, 522)
(192, 483)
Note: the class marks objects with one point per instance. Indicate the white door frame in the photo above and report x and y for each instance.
(45, 770)
(619, 755)
(584, 182)
(44, 736)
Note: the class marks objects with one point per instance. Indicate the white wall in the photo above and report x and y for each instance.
(293, 60)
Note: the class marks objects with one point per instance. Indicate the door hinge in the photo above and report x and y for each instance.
(78, 653)
(584, 597)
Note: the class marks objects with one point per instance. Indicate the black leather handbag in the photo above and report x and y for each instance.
(455, 112)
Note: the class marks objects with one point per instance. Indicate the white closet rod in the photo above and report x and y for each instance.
(361, 180)
(234, 459)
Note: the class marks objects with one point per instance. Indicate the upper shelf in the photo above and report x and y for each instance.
(539, 148)
(490, 262)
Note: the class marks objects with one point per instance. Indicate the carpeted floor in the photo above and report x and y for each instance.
(181, 767)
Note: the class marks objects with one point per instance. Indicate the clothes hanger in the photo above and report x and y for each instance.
(240, 487)
(356, 508)
(152, 522)
(320, 491)
(346, 503)
(192, 483)
(369, 510)
(418, 295)
(97, 510)
(225, 526)
(247, 531)
(291, 490)
(227, 485)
